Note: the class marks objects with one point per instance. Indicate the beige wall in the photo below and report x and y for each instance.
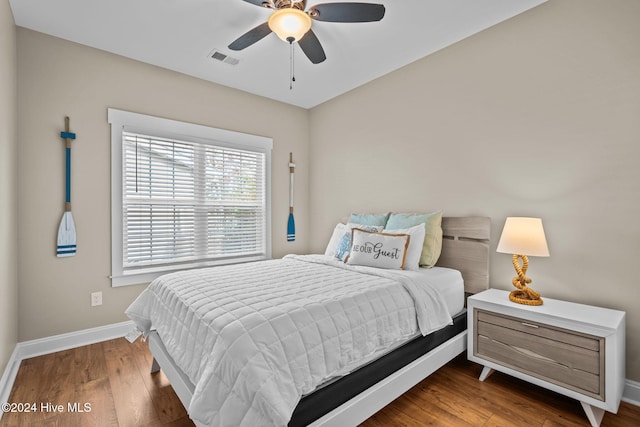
(537, 116)
(58, 78)
(8, 186)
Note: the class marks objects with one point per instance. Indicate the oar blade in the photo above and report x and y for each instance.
(291, 229)
(66, 236)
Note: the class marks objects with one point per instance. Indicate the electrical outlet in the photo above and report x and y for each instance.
(96, 298)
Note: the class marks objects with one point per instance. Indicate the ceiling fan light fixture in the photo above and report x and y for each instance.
(289, 23)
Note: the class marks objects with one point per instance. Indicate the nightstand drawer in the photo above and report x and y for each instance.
(567, 358)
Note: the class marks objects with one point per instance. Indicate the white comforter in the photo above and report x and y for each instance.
(255, 337)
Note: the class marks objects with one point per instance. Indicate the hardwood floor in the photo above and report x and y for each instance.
(113, 379)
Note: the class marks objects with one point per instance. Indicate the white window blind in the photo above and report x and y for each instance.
(188, 201)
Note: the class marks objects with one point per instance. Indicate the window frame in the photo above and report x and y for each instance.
(120, 121)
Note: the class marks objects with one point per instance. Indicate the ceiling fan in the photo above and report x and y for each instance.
(292, 24)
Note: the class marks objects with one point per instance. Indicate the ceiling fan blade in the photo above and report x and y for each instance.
(250, 37)
(347, 12)
(311, 47)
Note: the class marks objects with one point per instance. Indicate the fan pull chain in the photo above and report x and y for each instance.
(292, 63)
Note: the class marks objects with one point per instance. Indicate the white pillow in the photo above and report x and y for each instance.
(338, 232)
(414, 252)
(378, 249)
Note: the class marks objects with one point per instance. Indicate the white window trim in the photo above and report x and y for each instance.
(135, 122)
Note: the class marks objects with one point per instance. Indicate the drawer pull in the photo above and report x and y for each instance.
(529, 325)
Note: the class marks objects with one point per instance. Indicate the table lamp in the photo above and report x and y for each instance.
(523, 237)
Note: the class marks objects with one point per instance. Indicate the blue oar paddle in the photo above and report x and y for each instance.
(291, 225)
(67, 229)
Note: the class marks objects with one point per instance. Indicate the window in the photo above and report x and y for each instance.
(184, 196)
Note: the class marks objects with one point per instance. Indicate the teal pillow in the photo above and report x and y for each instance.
(404, 220)
(369, 219)
(432, 246)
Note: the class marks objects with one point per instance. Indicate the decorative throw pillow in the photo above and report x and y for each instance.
(432, 246)
(344, 245)
(337, 234)
(416, 243)
(369, 219)
(380, 250)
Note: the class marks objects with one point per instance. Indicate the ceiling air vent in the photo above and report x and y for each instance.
(219, 56)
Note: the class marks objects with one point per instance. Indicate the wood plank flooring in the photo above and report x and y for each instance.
(113, 379)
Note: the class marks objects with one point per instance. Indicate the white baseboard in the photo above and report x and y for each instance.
(61, 342)
(33, 348)
(631, 393)
(8, 377)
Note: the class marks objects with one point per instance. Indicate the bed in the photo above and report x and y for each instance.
(348, 357)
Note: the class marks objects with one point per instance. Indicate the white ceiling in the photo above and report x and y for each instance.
(181, 34)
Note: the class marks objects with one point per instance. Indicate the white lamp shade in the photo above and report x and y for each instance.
(523, 236)
(289, 22)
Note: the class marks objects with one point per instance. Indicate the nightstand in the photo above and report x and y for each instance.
(573, 349)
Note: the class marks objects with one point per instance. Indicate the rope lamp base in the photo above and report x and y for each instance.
(524, 294)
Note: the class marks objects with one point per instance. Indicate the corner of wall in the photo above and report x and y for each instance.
(8, 186)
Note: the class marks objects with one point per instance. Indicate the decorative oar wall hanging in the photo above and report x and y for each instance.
(67, 229)
(291, 224)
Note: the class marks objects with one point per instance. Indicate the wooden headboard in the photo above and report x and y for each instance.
(465, 247)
